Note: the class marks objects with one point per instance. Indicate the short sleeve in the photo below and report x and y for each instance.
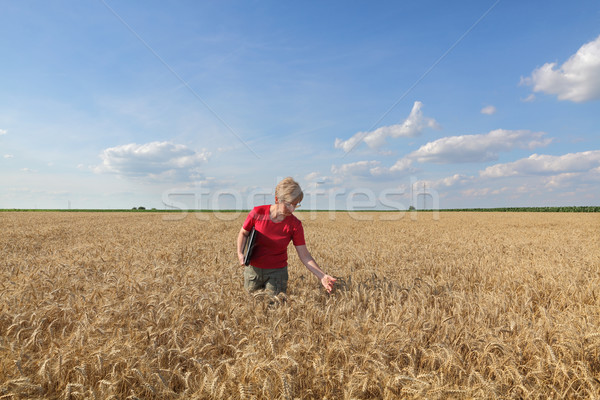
(298, 235)
(250, 220)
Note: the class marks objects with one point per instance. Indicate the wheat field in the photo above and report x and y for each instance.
(152, 306)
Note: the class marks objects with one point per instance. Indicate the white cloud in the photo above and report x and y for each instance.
(560, 180)
(8, 156)
(315, 180)
(155, 160)
(488, 110)
(477, 148)
(452, 149)
(403, 165)
(361, 168)
(479, 192)
(349, 144)
(539, 176)
(3, 132)
(545, 165)
(578, 79)
(317, 177)
(413, 125)
(313, 177)
(456, 179)
(529, 98)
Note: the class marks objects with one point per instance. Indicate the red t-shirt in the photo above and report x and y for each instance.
(270, 248)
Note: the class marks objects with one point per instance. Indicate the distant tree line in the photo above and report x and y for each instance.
(587, 209)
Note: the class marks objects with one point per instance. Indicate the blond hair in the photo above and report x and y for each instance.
(289, 190)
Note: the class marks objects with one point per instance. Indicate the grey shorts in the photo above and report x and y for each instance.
(274, 281)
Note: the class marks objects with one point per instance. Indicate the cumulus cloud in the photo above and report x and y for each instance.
(3, 132)
(363, 169)
(317, 177)
(453, 181)
(402, 166)
(545, 165)
(154, 160)
(360, 168)
(488, 110)
(560, 180)
(480, 192)
(8, 156)
(577, 80)
(313, 177)
(456, 179)
(349, 144)
(540, 177)
(447, 150)
(477, 148)
(413, 125)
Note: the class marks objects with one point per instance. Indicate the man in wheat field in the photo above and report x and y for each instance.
(276, 225)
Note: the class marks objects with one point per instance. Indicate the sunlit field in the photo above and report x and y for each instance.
(152, 306)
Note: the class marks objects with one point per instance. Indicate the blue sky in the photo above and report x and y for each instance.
(115, 104)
